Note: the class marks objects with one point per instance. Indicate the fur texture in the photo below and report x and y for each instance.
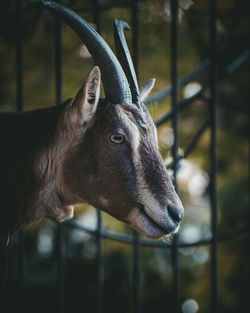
(54, 158)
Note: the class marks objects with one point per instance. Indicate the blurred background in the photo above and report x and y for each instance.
(39, 248)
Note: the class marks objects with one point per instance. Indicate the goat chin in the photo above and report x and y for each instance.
(142, 222)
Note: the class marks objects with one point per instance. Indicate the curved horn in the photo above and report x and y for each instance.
(115, 83)
(125, 59)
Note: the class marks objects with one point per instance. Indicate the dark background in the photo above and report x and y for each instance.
(80, 272)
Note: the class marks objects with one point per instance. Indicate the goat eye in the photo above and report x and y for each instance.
(117, 138)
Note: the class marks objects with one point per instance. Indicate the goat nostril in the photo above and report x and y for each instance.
(176, 214)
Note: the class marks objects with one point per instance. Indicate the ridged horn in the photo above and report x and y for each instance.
(114, 80)
(125, 60)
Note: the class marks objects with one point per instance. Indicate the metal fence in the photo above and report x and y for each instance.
(211, 66)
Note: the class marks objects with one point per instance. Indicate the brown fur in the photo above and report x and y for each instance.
(54, 158)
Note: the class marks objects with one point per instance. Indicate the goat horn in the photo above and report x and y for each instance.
(125, 60)
(115, 83)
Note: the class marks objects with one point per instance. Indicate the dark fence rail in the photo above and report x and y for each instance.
(210, 65)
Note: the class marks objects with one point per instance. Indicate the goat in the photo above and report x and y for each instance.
(100, 151)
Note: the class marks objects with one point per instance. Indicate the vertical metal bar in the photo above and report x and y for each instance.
(60, 270)
(19, 57)
(99, 263)
(60, 228)
(19, 95)
(137, 273)
(21, 269)
(137, 248)
(135, 35)
(174, 100)
(213, 174)
(98, 212)
(97, 15)
(58, 61)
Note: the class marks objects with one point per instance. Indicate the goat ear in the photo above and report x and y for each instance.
(86, 101)
(145, 90)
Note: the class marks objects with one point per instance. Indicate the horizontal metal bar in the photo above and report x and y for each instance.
(232, 66)
(195, 140)
(181, 105)
(106, 234)
(238, 61)
(181, 82)
(186, 102)
(193, 143)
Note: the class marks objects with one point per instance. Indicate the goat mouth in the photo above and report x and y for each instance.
(150, 228)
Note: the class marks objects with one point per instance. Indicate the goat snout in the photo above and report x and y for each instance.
(175, 212)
